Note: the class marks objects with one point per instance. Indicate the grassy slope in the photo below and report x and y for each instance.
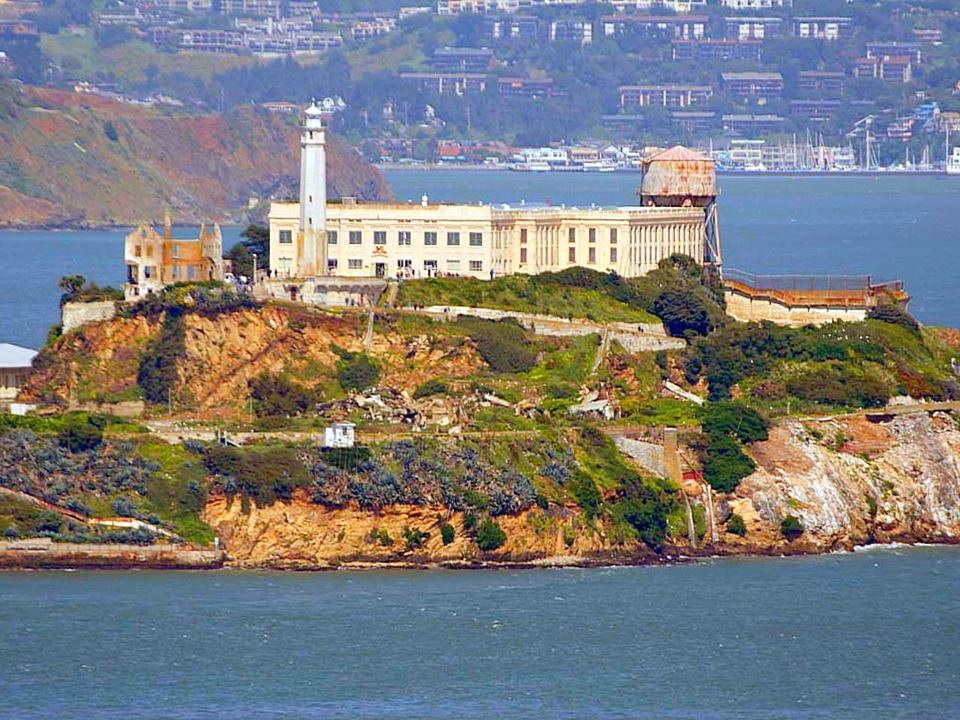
(129, 61)
(519, 293)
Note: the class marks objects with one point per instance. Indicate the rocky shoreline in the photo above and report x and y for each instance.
(139, 558)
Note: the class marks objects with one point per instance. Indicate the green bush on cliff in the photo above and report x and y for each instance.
(840, 385)
(447, 533)
(725, 464)
(359, 373)
(734, 419)
(791, 527)
(895, 315)
(489, 535)
(157, 374)
(503, 344)
(277, 396)
(263, 476)
(75, 288)
(79, 434)
(736, 525)
(430, 387)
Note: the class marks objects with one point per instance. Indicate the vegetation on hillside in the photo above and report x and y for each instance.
(678, 292)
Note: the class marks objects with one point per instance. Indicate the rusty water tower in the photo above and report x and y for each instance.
(681, 177)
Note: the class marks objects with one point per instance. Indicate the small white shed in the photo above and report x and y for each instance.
(339, 435)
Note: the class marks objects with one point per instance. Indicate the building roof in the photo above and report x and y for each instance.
(14, 356)
(751, 76)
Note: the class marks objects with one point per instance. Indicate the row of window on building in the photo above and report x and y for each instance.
(455, 265)
(404, 238)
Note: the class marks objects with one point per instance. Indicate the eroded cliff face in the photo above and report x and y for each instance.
(222, 354)
(858, 482)
(300, 534)
(891, 481)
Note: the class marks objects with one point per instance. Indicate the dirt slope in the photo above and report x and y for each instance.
(69, 159)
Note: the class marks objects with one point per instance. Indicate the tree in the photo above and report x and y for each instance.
(683, 312)
(490, 535)
(71, 285)
(256, 239)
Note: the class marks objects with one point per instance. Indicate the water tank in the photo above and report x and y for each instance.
(678, 177)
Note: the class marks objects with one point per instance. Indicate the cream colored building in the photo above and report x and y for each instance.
(15, 366)
(352, 239)
(390, 240)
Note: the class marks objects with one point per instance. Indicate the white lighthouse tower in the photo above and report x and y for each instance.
(313, 194)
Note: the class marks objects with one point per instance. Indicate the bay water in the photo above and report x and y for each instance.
(862, 635)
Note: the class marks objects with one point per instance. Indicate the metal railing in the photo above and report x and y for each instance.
(807, 283)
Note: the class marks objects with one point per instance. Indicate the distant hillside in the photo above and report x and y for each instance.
(78, 160)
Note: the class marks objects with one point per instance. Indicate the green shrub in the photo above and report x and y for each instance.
(502, 344)
(447, 533)
(430, 387)
(274, 395)
(585, 493)
(78, 434)
(381, 536)
(645, 509)
(359, 373)
(895, 315)
(415, 538)
(725, 464)
(263, 476)
(76, 289)
(490, 535)
(110, 130)
(736, 525)
(683, 312)
(157, 374)
(475, 499)
(839, 385)
(791, 527)
(734, 419)
(210, 298)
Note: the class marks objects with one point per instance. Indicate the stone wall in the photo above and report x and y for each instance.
(747, 309)
(634, 337)
(78, 314)
(43, 553)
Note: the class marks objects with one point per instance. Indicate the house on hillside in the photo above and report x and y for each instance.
(15, 365)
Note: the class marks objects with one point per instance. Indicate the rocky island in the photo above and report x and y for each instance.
(609, 421)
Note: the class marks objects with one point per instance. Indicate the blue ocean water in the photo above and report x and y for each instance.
(890, 227)
(864, 635)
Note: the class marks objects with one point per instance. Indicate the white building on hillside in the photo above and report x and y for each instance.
(15, 366)
(316, 238)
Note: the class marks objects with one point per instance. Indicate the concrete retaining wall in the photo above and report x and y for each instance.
(634, 337)
(757, 309)
(78, 314)
(124, 409)
(43, 553)
(647, 454)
